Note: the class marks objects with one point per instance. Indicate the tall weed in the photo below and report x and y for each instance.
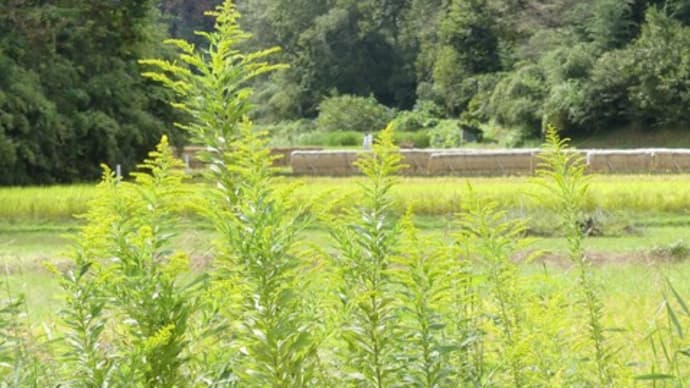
(562, 173)
(126, 278)
(366, 239)
(270, 336)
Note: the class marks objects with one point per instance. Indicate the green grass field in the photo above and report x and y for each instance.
(645, 222)
(427, 196)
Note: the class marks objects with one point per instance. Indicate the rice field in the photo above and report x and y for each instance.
(427, 196)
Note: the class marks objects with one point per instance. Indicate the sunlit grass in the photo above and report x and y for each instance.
(427, 196)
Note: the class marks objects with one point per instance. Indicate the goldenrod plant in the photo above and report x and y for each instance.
(258, 260)
(256, 264)
(86, 361)
(212, 87)
(492, 240)
(366, 238)
(465, 315)
(423, 270)
(127, 278)
(562, 173)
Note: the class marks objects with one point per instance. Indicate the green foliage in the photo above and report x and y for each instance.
(612, 24)
(667, 339)
(366, 239)
(384, 305)
(676, 251)
(486, 234)
(272, 341)
(258, 227)
(423, 271)
(419, 139)
(410, 121)
(140, 292)
(445, 134)
(71, 93)
(286, 133)
(562, 174)
(355, 47)
(466, 28)
(352, 113)
(19, 361)
(331, 139)
(518, 98)
(659, 64)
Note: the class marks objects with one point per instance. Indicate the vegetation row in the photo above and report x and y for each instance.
(71, 94)
(384, 309)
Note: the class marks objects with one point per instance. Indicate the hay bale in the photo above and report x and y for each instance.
(282, 154)
(671, 160)
(483, 163)
(574, 155)
(619, 161)
(323, 163)
(339, 163)
(416, 161)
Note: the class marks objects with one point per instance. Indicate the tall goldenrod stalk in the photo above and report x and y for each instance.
(492, 240)
(562, 173)
(127, 278)
(423, 270)
(366, 239)
(258, 277)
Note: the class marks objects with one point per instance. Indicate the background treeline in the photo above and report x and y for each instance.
(512, 65)
(71, 94)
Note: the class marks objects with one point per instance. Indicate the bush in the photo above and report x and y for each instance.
(518, 99)
(331, 139)
(419, 139)
(352, 113)
(660, 63)
(410, 121)
(566, 106)
(287, 133)
(608, 103)
(446, 134)
(565, 63)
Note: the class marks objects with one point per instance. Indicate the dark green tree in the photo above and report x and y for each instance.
(72, 96)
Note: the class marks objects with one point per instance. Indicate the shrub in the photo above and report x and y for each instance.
(410, 121)
(660, 63)
(287, 133)
(445, 134)
(566, 105)
(352, 113)
(566, 63)
(518, 98)
(419, 139)
(677, 250)
(330, 139)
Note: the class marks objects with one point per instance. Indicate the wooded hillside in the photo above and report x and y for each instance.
(71, 94)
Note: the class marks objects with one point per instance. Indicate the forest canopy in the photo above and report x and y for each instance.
(72, 97)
